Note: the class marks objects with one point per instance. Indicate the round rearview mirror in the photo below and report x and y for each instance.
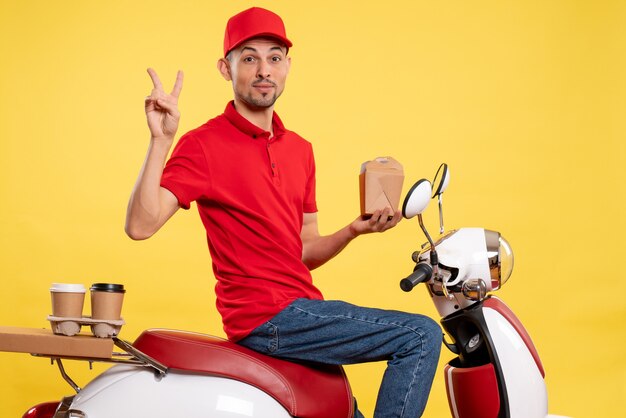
(442, 178)
(417, 199)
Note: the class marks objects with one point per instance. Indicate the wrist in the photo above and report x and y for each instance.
(164, 141)
(352, 231)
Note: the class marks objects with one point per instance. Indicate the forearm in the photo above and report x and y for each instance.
(320, 249)
(145, 210)
(317, 250)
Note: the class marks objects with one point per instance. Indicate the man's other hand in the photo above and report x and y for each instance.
(380, 221)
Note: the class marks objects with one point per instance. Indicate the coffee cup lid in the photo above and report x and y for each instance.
(67, 287)
(108, 287)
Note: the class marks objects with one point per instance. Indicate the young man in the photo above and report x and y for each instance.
(254, 185)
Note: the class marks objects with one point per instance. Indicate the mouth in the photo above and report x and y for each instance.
(264, 85)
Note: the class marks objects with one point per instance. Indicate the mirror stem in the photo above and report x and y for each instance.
(433, 251)
(430, 240)
(441, 229)
(434, 259)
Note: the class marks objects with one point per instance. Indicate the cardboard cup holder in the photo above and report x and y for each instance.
(101, 328)
(106, 309)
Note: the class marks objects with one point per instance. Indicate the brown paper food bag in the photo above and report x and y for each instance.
(380, 184)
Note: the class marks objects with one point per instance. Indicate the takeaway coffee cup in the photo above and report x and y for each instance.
(67, 300)
(106, 300)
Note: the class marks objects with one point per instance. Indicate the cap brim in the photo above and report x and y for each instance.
(281, 39)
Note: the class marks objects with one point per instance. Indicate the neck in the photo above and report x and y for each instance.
(261, 117)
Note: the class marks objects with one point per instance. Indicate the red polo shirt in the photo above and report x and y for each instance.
(251, 192)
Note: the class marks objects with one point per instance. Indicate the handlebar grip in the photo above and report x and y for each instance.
(421, 273)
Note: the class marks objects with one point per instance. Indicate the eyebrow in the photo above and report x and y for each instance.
(255, 50)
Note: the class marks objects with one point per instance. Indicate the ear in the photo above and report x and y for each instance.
(223, 66)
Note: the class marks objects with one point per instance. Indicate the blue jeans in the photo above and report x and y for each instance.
(335, 332)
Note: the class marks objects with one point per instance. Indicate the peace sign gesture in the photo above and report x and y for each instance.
(162, 108)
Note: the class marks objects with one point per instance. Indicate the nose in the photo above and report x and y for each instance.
(263, 70)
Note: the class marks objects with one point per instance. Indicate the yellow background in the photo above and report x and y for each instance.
(525, 100)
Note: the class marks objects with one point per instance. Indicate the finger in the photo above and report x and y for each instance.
(385, 220)
(155, 79)
(170, 108)
(385, 216)
(374, 219)
(392, 221)
(149, 103)
(157, 94)
(178, 85)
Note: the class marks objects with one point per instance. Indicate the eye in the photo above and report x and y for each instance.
(276, 58)
(248, 59)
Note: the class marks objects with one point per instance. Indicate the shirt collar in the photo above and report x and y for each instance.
(248, 128)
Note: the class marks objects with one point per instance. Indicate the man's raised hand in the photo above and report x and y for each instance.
(162, 108)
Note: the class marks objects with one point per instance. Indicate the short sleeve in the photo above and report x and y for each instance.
(186, 173)
(309, 204)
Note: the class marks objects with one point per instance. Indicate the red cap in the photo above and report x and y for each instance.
(253, 23)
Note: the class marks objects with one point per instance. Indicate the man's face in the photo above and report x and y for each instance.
(258, 70)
